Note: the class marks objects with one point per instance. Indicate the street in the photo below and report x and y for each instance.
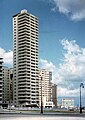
(40, 117)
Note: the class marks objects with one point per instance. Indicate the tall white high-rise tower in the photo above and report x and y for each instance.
(25, 59)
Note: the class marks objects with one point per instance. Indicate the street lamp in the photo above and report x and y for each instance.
(81, 85)
(41, 98)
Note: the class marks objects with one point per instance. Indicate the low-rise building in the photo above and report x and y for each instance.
(47, 104)
(67, 103)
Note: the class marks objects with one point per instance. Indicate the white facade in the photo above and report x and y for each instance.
(47, 104)
(67, 103)
(25, 59)
(46, 84)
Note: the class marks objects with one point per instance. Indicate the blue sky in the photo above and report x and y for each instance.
(53, 26)
(61, 38)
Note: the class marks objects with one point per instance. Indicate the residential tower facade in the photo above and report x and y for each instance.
(7, 78)
(25, 59)
(45, 78)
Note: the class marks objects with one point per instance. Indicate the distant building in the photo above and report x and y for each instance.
(7, 86)
(25, 60)
(49, 90)
(45, 81)
(67, 103)
(45, 78)
(1, 82)
(11, 84)
(54, 94)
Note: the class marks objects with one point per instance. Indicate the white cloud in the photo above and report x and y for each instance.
(62, 91)
(74, 58)
(49, 66)
(7, 57)
(75, 9)
(71, 72)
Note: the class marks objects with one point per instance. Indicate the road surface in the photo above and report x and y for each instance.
(41, 117)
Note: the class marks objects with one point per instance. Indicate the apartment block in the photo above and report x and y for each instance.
(7, 78)
(45, 84)
(25, 59)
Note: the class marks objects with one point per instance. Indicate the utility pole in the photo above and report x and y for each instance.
(41, 98)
